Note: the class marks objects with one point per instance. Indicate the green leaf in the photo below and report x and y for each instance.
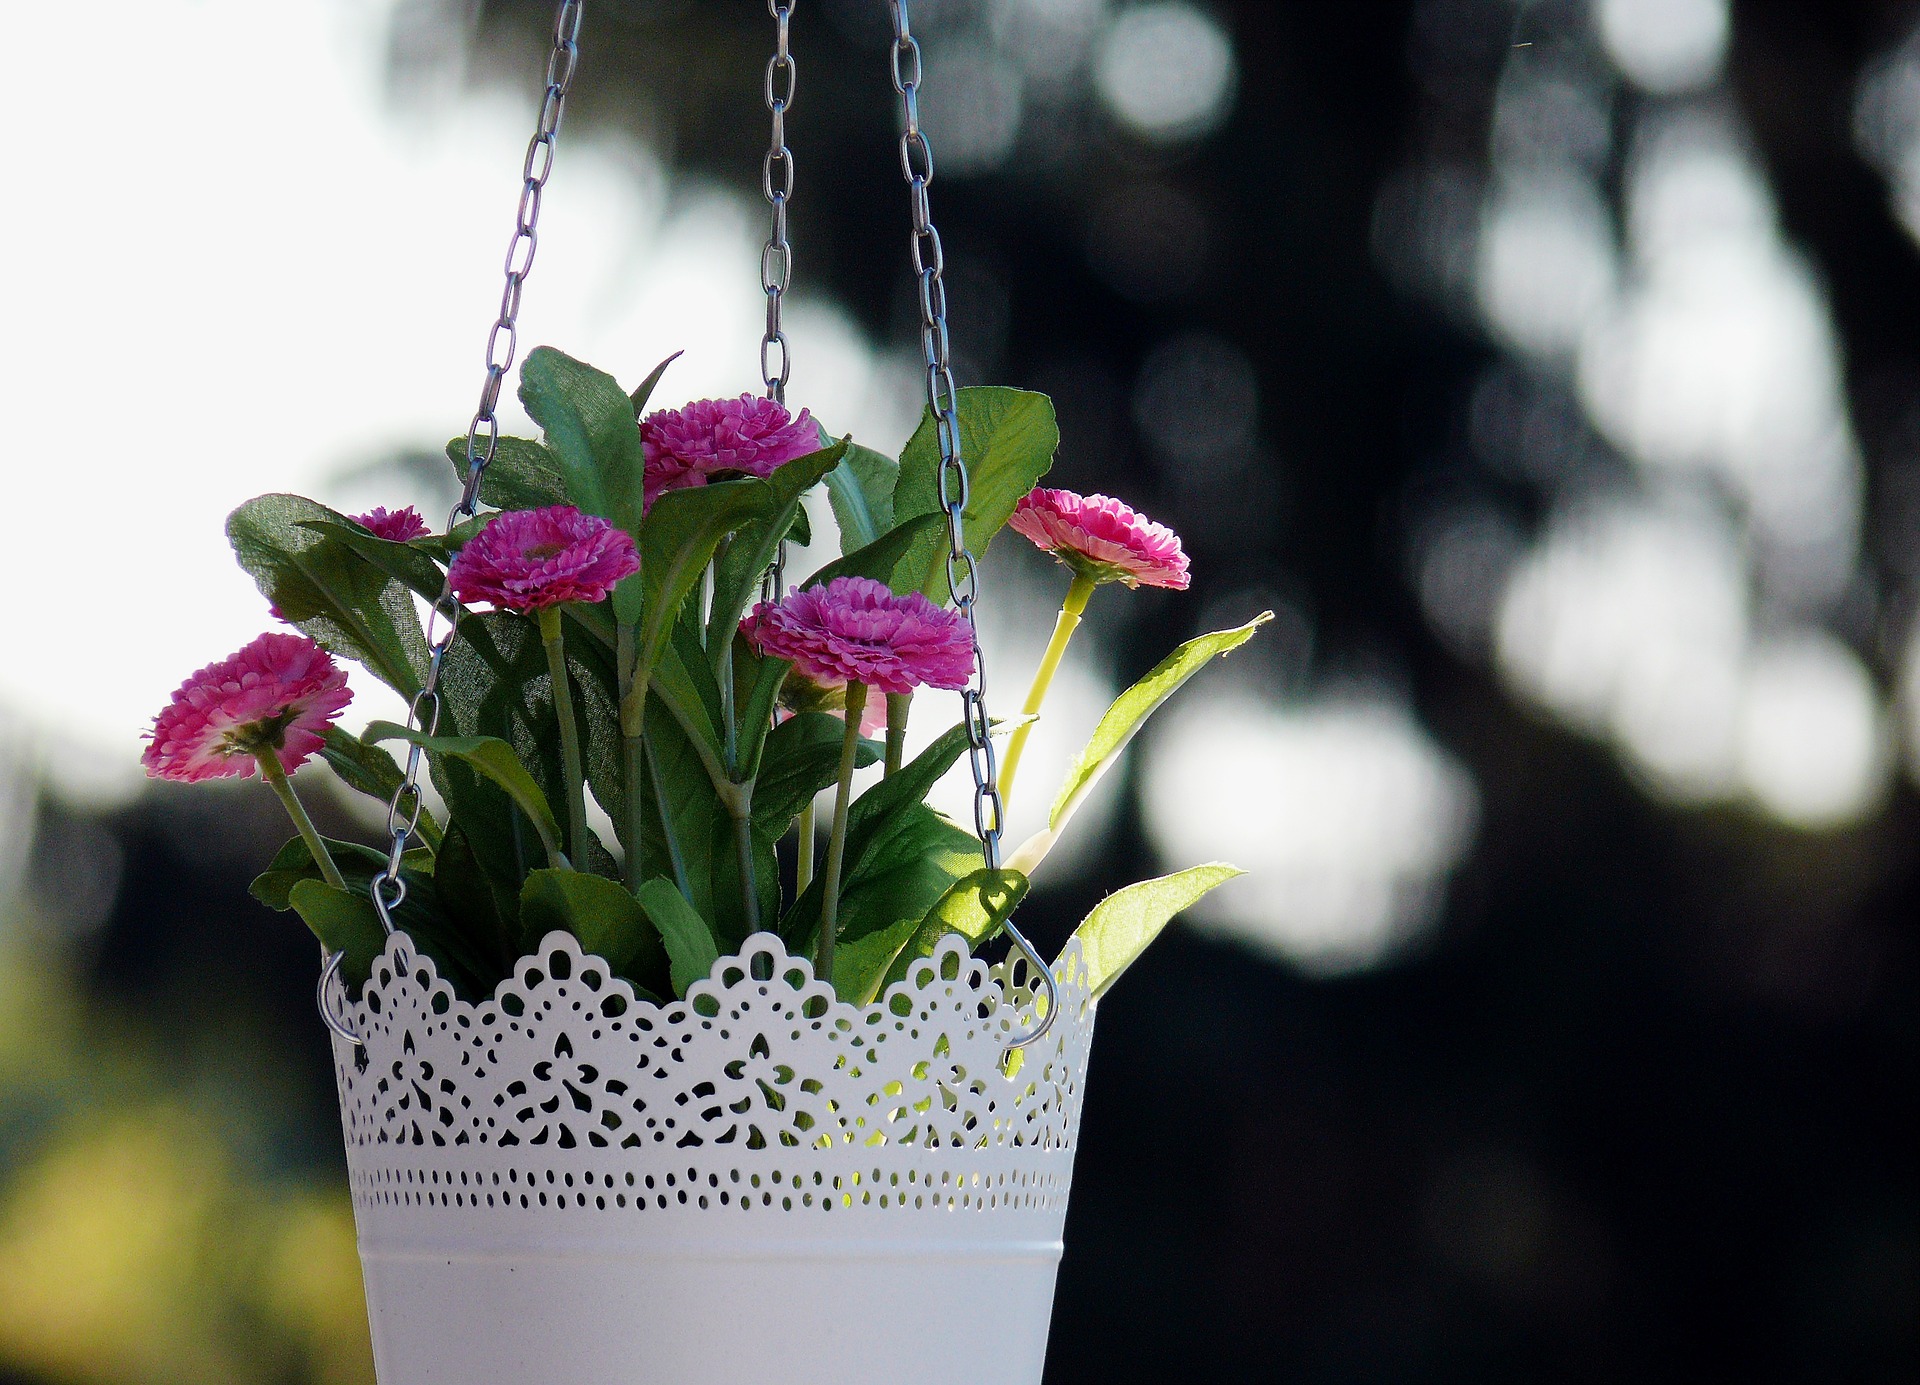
(1123, 719)
(331, 593)
(1007, 439)
(907, 872)
(343, 922)
(607, 920)
(801, 530)
(861, 965)
(495, 682)
(523, 475)
(898, 557)
(748, 555)
(974, 907)
(861, 491)
(679, 783)
(485, 913)
(590, 431)
(370, 770)
(643, 391)
(1121, 925)
(684, 686)
(758, 681)
(689, 944)
(400, 561)
(801, 757)
(677, 541)
(494, 758)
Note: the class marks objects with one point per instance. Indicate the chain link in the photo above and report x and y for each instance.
(943, 399)
(389, 887)
(776, 259)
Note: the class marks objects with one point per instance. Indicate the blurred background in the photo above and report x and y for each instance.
(1551, 368)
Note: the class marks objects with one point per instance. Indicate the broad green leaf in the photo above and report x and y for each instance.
(974, 907)
(861, 491)
(801, 530)
(370, 770)
(1007, 439)
(682, 686)
(677, 541)
(729, 921)
(751, 550)
(343, 922)
(607, 920)
(1123, 719)
(400, 561)
(800, 758)
(898, 557)
(682, 816)
(907, 872)
(590, 432)
(523, 475)
(757, 683)
(861, 965)
(495, 682)
(494, 758)
(332, 594)
(1121, 925)
(689, 944)
(643, 391)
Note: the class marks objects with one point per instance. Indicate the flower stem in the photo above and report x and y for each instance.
(803, 860)
(1063, 629)
(739, 808)
(276, 777)
(633, 740)
(898, 705)
(837, 839)
(570, 771)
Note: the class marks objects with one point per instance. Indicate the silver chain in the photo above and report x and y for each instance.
(943, 399)
(776, 260)
(389, 888)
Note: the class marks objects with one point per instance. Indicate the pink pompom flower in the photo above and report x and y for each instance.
(855, 630)
(396, 526)
(527, 560)
(689, 446)
(1102, 539)
(278, 694)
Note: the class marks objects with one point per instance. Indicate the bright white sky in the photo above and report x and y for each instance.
(254, 278)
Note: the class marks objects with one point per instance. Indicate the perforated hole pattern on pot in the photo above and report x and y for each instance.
(759, 1092)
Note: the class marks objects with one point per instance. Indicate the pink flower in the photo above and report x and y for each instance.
(1102, 538)
(526, 560)
(687, 447)
(280, 693)
(396, 526)
(855, 630)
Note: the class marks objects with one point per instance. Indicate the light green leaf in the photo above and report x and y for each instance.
(861, 491)
(898, 557)
(400, 561)
(590, 431)
(607, 920)
(1007, 439)
(1122, 721)
(494, 758)
(861, 965)
(643, 391)
(751, 550)
(332, 594)
(689, 943)
(343, 922)
(974, 907)
(370, 770)
(677, 541)
(523, 475)
(1121, 925)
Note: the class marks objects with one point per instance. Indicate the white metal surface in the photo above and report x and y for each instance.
(561, 1184)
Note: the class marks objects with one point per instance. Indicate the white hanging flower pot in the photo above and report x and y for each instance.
(758, 1183)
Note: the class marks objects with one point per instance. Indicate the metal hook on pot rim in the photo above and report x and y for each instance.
(334, 1016)
(1039, 964)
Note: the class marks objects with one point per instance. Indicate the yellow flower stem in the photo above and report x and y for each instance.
(837, 839)
(570, 771)
(898, 705)
(1063, 628)
(276, 778)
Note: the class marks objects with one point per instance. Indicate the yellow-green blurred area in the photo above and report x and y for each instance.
(146, 1233)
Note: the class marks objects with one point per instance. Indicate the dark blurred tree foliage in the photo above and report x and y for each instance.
(1635, 1114)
